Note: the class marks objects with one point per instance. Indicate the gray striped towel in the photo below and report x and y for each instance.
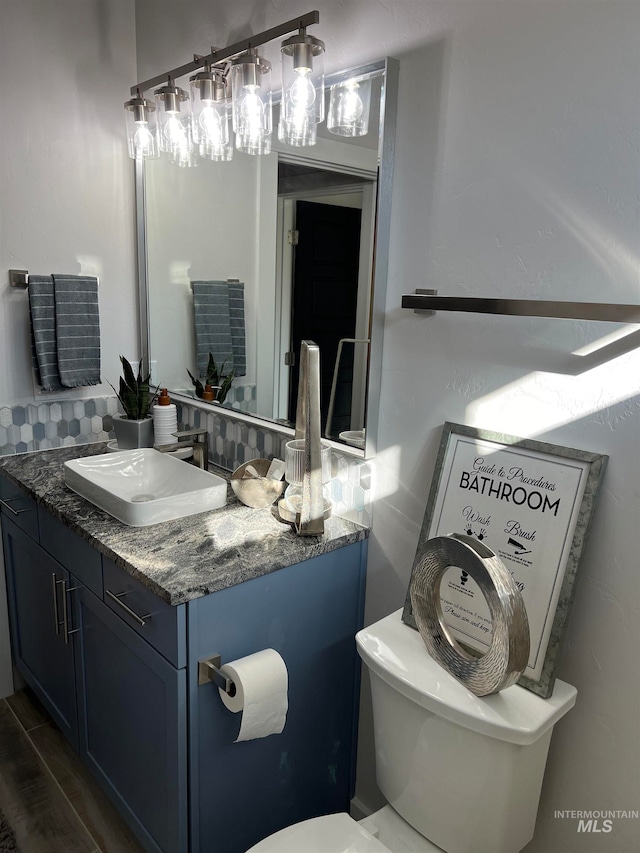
(43, 332)
(213, 324)
(77, 329)
(236, 315)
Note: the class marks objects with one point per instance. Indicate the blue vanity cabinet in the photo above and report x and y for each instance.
(37, 586)
(124, 688)
(309, 613)
(114, 694)
(133, 725)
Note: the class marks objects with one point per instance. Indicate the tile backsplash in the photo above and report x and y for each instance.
(231, 442)
(45, 425)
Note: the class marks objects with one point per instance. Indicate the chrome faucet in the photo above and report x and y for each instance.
(310, 520)
(198, 439)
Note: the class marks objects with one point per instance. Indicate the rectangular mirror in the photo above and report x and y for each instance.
(298, 239)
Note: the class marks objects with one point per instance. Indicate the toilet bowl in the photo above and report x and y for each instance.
(460, 773)
(382, 832)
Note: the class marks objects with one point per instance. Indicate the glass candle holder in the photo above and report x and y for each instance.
(294, 475)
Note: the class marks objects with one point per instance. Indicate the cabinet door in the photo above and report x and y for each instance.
(36, 586)
(133, 725)
(309, 613)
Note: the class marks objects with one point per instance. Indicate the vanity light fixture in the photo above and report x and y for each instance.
(251, 103)
(174, 126)
(210, 114)
(141, 128)
(302, 106)
(240, 68)
(349, 104)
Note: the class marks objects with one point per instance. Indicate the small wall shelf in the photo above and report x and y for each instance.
(602, 311)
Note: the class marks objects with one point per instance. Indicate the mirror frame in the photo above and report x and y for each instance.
(386, 152)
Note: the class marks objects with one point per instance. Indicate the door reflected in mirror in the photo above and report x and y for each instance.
(247, 258)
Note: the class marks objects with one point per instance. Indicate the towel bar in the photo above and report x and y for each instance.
(612, 313)
(229, 281)
(20, 278)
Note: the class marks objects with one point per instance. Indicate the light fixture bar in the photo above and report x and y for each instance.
(232, 50)
(611, 313)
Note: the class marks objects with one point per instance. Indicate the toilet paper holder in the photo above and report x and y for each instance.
(209, 670)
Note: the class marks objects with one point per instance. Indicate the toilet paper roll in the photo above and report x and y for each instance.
(261, 681)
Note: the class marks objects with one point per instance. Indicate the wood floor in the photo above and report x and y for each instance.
(51, 801)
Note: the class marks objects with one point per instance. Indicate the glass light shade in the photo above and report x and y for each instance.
(298, 133)
(302, 83)
(142, 136)
(210, 116)
(220, 153)
(185, 155)
(349, 104)
(251, 103)
(253, 144)
(173, 112)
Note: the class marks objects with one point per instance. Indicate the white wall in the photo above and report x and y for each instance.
(516, 175)
(66, 200)
(66, 183)
(202, 225)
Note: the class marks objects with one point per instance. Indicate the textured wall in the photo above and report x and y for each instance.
(516, 175)
(66, 199)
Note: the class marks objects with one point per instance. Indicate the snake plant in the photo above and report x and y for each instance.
(135, 393)
(214, 377)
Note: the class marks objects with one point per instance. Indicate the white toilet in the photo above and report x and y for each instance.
(460, 773)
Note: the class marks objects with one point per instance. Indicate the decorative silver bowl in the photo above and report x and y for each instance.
(505, 661)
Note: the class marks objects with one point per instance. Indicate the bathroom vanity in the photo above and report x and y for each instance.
(108, 624)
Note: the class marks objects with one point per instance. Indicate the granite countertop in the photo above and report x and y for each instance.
(183, 559)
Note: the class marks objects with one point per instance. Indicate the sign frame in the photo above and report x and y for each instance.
(556, 578)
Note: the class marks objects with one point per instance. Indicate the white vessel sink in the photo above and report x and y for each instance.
(142, 487)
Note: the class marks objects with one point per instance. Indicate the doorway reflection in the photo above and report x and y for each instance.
(326, 239)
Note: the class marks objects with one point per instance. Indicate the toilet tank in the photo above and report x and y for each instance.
(464, 771)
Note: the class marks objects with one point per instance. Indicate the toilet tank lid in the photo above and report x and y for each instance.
(396, 653)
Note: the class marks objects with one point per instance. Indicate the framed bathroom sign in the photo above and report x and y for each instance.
(531, 503)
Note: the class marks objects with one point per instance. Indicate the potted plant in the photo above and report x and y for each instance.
(216, 379)
(135, 427)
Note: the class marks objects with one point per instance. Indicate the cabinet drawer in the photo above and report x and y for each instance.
(19, 507)
(162, 625)
(72, 552)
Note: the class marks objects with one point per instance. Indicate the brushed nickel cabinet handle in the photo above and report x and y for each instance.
(5, 504)
(54, 593)
(65, 611)
(116, 596)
